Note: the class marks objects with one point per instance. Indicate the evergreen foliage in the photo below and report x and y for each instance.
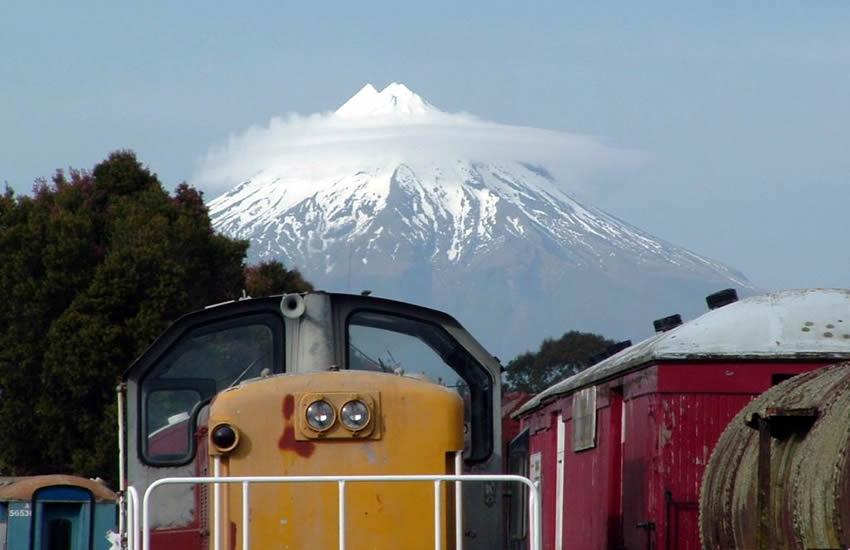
(94, 267)
(555, 360)
(268, 278)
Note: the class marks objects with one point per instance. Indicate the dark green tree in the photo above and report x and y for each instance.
(554, 361)
(92, 268)
(268, 278)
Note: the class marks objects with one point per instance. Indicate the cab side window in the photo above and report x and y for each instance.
(203, 362)
(390, 343)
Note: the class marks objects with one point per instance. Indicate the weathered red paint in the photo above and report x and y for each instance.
(726, 377)
(613, 416)
(287, 442)
(640, 490)
(171, 440)
(190, 535)
(175, 539)
(594, 505)
(545, 442)
(288, 406)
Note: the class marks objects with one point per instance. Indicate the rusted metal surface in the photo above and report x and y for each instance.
(764, 537)
(23, 488)
(786, 484)
(782, 422)
(779, 423)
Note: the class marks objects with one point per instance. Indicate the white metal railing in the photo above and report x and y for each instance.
(133, 509)
(132, 500)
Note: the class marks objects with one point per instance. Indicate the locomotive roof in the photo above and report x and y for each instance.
(812, 323)
(272, 303)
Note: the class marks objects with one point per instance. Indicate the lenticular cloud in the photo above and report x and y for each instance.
(396, 125)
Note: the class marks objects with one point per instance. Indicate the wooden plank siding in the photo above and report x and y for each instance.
(638, 487)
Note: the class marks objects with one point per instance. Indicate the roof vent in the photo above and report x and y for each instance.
(619, 346)
(613, 349)
(667, 323)
(721, 298)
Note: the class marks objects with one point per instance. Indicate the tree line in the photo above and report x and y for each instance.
(93, 267)
(556, 359)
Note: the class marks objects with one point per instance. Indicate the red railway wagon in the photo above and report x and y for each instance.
(511, 402)
(620, 449)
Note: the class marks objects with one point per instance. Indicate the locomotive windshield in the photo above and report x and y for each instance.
(205, 361)
(411, 347)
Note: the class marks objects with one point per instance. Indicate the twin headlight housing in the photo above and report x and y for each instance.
(355, 415)
(327, 415)
(338, 415)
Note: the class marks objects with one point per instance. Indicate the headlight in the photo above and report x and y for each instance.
(355, 415)
(224, 437)
(320, 415)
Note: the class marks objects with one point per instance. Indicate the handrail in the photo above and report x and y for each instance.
(132, 518)
(458, 502)
(341, 481)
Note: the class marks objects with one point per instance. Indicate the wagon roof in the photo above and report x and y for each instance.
(802, 324)
(23, 488)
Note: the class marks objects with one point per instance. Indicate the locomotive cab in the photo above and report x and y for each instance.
(266, 369)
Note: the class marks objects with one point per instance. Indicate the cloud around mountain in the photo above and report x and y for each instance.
(373, 128)
(453, 212)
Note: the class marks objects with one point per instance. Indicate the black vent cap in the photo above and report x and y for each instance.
(619, 346)
(721, 298)
(666, 323)
(613, 349)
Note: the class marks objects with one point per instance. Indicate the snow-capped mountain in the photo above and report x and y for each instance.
(394, 100)
(495, 241)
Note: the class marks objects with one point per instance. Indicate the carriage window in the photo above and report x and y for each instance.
(204, 362)
(411, 347)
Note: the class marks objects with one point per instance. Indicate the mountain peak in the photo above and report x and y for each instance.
(394, 100)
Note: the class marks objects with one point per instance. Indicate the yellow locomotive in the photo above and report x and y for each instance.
(344, 423)
(317, 384)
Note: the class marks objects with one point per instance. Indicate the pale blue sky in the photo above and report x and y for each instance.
(742, 109)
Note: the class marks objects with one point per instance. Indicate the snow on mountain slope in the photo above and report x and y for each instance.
(456, 210)
(422, 224)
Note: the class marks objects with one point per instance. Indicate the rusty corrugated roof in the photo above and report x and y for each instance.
(23, 488)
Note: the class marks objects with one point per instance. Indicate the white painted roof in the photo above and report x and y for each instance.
(812, 323)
